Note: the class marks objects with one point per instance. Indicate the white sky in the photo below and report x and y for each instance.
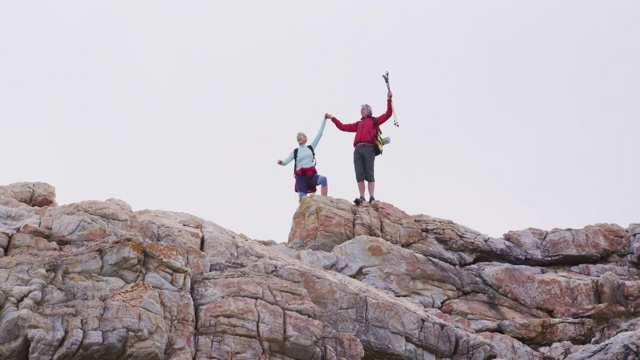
(512, 114)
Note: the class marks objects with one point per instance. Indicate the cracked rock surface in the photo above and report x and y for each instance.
(96, 280)
(532, 294)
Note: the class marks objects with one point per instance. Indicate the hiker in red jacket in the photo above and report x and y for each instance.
(364, 155)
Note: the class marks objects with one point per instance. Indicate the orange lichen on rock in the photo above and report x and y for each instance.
(132, 295)
(134, 244)
(164, 251)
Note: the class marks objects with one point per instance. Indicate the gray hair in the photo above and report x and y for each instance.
(368, 107)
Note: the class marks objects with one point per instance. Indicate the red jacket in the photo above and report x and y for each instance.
(364, 129)
(308, 172)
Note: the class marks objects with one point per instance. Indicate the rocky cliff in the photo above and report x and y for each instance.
(96, 280)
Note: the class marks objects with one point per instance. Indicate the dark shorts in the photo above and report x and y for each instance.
(303, 182)
(364, 158)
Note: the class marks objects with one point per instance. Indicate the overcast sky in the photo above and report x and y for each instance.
(512, 114)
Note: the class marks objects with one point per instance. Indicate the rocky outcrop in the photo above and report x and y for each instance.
(96, 280)
(529, 293)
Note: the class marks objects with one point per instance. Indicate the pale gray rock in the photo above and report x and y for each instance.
(34, 194)
(625, 345)
(96, 280)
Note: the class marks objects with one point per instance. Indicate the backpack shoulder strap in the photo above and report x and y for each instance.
(312, 153)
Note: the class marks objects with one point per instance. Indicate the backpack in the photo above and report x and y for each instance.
(295, 157)
(377, 149)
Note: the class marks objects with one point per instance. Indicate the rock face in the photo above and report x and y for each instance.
(96, 280)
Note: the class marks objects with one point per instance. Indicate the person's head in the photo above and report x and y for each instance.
(365, 110)
(301, 138)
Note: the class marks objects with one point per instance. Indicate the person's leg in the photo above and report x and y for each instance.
(322, 181)
(361, 188)
(369, 158)
(301, 186)
(358, 164)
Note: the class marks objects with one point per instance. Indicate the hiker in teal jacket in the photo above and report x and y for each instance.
(307, 177)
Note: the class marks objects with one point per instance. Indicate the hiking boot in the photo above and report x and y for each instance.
(371, 200)
(359, 200)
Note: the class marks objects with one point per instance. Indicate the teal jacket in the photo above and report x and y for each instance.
(305, 157)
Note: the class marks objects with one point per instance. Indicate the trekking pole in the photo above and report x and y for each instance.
(386, 80)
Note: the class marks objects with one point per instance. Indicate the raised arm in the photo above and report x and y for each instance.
(316, 140)
(384, 117)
